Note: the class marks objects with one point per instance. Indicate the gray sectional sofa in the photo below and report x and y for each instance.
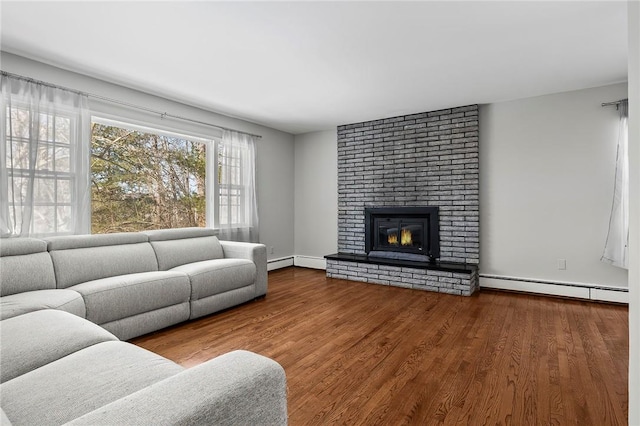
(131, 283)
(66, 302)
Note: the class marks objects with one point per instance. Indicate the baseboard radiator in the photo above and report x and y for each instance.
(556, 288)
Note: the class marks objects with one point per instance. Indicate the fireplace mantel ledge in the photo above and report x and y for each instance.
(456, 267)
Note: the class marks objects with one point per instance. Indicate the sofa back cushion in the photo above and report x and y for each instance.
(25, 265)
(81, 258)
(177, 247)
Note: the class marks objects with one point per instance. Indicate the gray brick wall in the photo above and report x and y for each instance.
(426, 159)
(464, 284)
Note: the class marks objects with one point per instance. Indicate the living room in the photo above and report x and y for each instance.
(547, 157)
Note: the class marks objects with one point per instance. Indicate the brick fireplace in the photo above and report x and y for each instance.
(419, 160)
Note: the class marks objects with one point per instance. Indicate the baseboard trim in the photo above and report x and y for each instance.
(279, 263)
(556, 288)
(297, 260)
(609, 295)
(310, 262)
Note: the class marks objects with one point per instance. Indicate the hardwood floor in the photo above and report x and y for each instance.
(358, 353)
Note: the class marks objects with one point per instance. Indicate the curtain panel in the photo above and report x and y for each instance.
(616, 251)
(237, 207)
(44, 172)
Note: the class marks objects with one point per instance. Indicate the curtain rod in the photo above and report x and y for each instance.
(616, 103)
(115, 101)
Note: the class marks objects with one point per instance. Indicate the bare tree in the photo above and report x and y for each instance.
(145, 181)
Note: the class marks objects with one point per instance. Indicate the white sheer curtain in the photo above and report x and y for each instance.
(616, 250)
(44, 160)
(236, 206)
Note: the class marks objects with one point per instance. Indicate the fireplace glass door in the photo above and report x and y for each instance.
(402, 232)
(399, 235)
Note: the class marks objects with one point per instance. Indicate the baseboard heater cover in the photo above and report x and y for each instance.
(279, 263)
(310, 262)
(297, 260)
(556, 288)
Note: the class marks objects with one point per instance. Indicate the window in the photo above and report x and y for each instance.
(43, 160)
(41, 173)
(142, 179)
(61, 173)
(236, 213)
(231, 188)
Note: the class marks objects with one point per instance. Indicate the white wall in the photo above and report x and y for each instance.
(316, 194)
(634, 211)
(275, 153)
(547, 169)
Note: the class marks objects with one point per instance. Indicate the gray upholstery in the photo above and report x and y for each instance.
(56, 367)
(104, 269)
(21, 303)
(25, 265)
(257, 253)
(218, 302)
(137, 325)
(76, 260)
(178, 233)
(122, 296)
(218, 276)
(172, 253)
(21, 246)
(238, 388)
(35, 339)
(67, 242)
(222, 274)
(82, 382)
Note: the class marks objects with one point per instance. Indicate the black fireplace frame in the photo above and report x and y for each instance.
(431, 239)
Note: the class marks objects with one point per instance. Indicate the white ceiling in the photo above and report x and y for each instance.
(304, 66)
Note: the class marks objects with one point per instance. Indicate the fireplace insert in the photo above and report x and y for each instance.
(411, 233)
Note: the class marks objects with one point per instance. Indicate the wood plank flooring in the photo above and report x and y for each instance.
(357, 353)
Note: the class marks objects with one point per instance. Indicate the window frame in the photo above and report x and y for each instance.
(213, 186)
(241, 188)
(49, 143)
(211, 139)
(145, 127)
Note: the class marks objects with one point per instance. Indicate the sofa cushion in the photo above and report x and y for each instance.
(82, 382)
(81, 258)
(178, 233)
(113, 298)
(175, 247)
(25, 266)
(137, 325)
(218, 276)
(37, 338)
(237, 388)
(66, 242)
(218, 302)
(21, 303)
(21, 246)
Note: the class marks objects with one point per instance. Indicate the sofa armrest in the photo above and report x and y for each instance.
(254, 252)
(237, 388)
